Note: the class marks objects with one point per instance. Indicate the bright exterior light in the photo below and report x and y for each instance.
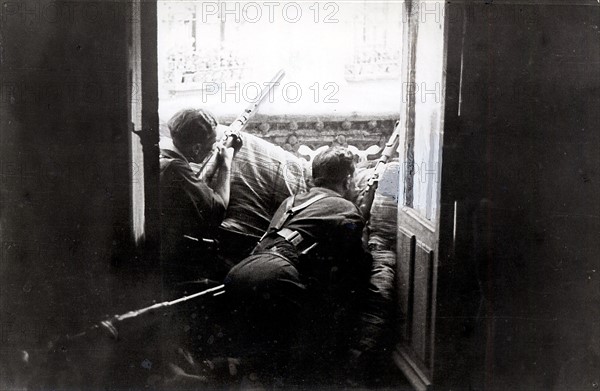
(340, 58)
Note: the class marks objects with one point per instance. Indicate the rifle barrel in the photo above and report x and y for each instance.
(242, 120)
(109, 325)
(165, 304)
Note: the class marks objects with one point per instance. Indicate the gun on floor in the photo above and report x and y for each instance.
(110, 325)
(70, 361)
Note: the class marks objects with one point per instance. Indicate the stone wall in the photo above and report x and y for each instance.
(292, 132)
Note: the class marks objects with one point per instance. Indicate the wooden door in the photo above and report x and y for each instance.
(418, 215)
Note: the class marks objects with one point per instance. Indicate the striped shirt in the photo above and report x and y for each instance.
(263, 175)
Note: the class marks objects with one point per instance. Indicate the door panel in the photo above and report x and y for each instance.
(418, 217)
(405, 279)
(415, 265)
(422, 302)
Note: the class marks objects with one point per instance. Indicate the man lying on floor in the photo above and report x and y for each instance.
(309, 301)
(296, 296)
(294, 300)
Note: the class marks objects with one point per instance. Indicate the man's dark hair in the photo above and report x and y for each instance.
(332, 166)
(191, 126)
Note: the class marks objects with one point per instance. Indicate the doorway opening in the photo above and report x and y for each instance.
(342, 64)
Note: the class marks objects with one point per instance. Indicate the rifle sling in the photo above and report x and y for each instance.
(291, 236)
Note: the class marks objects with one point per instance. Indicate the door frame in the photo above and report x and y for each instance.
(418, 237)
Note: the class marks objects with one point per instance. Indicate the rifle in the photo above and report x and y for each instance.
(232, 137)
(369, 193)
(109, 325)
(46, 368)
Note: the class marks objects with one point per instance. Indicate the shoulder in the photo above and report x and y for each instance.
(265, 159)
(343, 214)
(335, 204)
(167, 164)
(339, 203)
(177, 170)
(177, 165)
(265, 148)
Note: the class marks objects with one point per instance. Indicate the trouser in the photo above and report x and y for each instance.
(267, 298)
(284, 327)
(188, 267)
(234, 246)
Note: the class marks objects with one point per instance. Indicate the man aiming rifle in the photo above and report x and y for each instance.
(365, 200)
(378, 203)
(189, 208)
(196, 190)
(262, 176)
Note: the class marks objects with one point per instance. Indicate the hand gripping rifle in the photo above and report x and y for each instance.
(369, 193)
(232, 137)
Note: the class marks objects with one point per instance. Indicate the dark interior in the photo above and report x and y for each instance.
(517, 293)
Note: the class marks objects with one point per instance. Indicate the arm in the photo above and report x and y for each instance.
(223, 182)
(216, 159)
(210, 169)
(369, 195)
(209, 205)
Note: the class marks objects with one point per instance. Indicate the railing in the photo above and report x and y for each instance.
(374, 63)
(191, 70)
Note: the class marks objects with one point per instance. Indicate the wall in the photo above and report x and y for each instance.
(521, 160)
(65, 172)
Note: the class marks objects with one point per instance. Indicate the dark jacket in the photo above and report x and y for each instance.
(306, 302)
(336, 225)
(187, 207)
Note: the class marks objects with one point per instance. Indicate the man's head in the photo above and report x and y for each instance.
(193, 133)
(334, 169)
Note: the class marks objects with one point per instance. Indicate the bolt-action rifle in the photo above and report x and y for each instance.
(47, 367)
(232, 137)
(369, 192)
(109, 326)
